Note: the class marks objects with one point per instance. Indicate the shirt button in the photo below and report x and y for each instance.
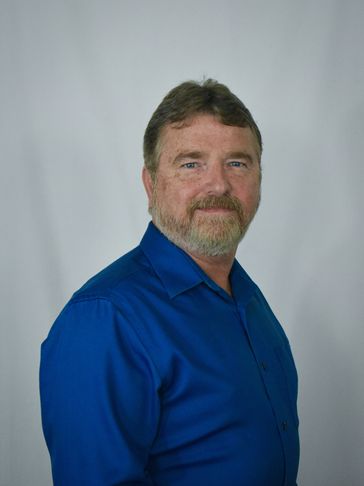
(264, 366)
(284, 425)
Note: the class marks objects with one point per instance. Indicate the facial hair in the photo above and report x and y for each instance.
(202, 233)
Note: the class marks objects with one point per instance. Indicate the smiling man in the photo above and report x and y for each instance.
(206, 190)
(168, 367)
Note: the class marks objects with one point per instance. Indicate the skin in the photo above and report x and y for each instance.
(206, 158)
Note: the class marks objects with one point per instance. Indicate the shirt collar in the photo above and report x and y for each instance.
(243, 286)
(178, 272)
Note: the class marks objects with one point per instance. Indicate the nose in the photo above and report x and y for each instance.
(216, 179)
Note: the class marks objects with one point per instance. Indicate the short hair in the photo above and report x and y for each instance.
(191, 98)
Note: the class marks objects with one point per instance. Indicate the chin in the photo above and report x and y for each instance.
(214, 241)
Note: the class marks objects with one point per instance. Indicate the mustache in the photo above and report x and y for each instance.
(217, 202)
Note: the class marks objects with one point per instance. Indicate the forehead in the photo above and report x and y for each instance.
(206, 131)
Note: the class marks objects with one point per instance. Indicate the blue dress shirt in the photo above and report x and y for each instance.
(152, 374)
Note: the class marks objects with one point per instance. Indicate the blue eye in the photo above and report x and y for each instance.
(190, 165)
(237, 163)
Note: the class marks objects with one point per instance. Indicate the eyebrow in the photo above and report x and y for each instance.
(187, 155)
(198, 155)
(240, 155)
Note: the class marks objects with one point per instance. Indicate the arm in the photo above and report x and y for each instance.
(99, 397)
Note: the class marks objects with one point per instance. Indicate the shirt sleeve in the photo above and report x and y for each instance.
(99, 397)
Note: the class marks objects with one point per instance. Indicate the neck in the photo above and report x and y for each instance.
(217, 268)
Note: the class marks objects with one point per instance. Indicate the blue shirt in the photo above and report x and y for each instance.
(153, 374)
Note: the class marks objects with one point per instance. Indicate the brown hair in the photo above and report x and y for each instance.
(188, 99)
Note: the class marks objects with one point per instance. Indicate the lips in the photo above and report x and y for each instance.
(215, 209)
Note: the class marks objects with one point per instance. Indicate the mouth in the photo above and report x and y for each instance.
(222, 206)
(216, 210)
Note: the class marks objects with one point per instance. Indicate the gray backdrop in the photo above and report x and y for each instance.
(79, 81)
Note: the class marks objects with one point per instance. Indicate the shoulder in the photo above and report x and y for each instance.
(106, 304)
(120, 281)
(101, 305)
(98, 321)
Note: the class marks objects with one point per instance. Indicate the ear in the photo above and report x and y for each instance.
(148, 184)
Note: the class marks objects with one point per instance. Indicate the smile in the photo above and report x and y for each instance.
(216, 210)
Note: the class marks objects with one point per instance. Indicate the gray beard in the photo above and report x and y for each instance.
(209, 236)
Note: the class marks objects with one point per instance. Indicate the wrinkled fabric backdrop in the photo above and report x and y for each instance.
(79, 81)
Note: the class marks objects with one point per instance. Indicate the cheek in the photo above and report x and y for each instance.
(178, 190)
(171, 197)
(249, 194)
(162, 189)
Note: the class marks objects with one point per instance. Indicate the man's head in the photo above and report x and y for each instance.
(191, 98)
(202, 153)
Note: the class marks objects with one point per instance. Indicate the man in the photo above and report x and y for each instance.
(168, 367)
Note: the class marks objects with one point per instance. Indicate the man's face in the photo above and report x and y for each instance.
(207, 186)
